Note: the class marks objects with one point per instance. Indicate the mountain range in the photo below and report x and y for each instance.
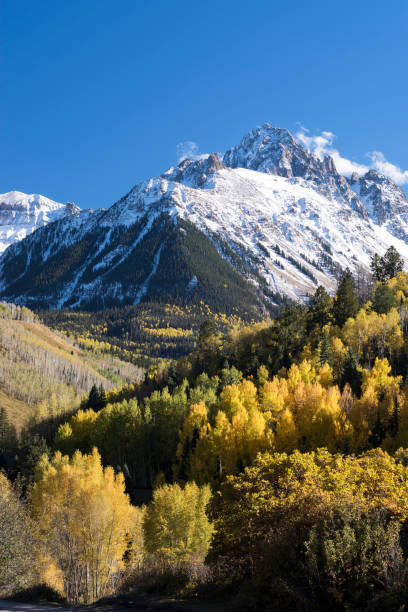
(268, 220)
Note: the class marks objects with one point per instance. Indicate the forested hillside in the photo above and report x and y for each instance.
(144, 334)
(43, 373)
(275, 455)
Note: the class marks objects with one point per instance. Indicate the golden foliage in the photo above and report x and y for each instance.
(85, 518)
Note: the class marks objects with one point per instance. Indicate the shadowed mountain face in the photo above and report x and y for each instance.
(268, 221)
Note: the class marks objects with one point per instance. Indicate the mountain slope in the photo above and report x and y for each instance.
(269, 220)
(21, 214)
(41, 370)
(104, 266)
(385, 202)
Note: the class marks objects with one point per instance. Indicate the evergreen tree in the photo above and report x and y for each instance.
(376, 267)
(325, 349)
(97, 398)
(393, 425)
(172, 377)
(388, 266)
(195, 437)
(351, 373)
(383, 299)
(346, 303)
(393, 263)
(32, 450)
(378, 432)
(102, 397)
(93, 398)
(346, 445)
(321, 309)
(289, 335)
(185, 460)
(207, 329)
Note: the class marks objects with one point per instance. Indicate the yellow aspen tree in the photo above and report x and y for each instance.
(196, 418)
(308, 399)
(230, 400)
(294, 377)
(262, 375)
(362, 415)
(176, 526)
(389, 333)
(356, 332)
(380, 378)
(286, 435)
(325, 376)
(307, 371)
(249, 395)
(274, 396)
(192, 449)
(338, 353)
(221, 448)
(330, 424)
(347, 400)
(136, 552)
(85, 519)
(212, 458)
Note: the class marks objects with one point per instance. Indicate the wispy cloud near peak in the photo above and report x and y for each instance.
(189, 150)
(322, 144)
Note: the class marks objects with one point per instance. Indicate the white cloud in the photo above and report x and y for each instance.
(395, 173)
(322, 144)
(189, 150)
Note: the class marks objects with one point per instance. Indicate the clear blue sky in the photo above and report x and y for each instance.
(96, 94)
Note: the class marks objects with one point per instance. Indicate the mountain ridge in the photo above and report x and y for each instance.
(277, 215)
(21, 214)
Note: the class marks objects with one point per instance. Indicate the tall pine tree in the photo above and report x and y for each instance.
(346, 303)
(351, 373)
(321, 309)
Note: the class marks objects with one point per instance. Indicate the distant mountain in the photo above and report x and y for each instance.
(268, 221)
(21, 214)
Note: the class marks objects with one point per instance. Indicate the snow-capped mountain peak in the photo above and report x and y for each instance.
(274, 151)
(22, 213)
